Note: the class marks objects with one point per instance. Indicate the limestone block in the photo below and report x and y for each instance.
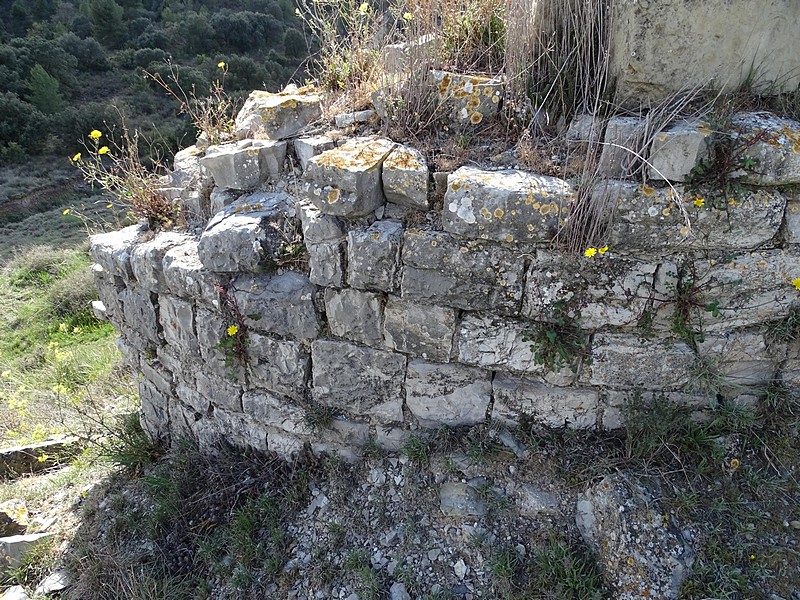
(399, 58)
(505, 206)
(449, 394)
(140, 313)
(346, 119)
(156, 373)
(443, 270)
(154, 411)
(405, 178)
(373, 256)
(281, 304)
(467, 99)
(211, 329)
(305, 148)
(240, 431)
(188, 173)
(640, 546)
(647, 218)
(420, 330)
(457, 499)
(357, 380)
(326, 263)
(31, 458)
(626, 362)
(584, 129)
(280, 366)
(738, 359)
(391, 439)
(622, 135)
(13, 550)
(276, 412)
(355, 315)
(774, 143)
(277, 116)
(108, 289)
(112, 251)
(246, 164)
(792, 218)
(221, 198)
(344, 438)
(658, 48)
(177, 322)
(248, 235)
(604, 290)
(185, 275)
(615, 402)
(221, 391)
(284, 445)
(147, 259)
(674, 152)
(516, 398)
(346, 181)
(498, 343)
(318, 227)
(99, 310)
(191, 398)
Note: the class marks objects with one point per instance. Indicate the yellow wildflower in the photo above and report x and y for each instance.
(95, 134)
(66, 211)
(5, 374)
(103, 150)
(603, 250)
(796, 283)
(407, 16)
(735, 464)
(233, 330)
(221, 64)
(590, 252)
(77, 157)
(363, 8)
(752, 557)
(699, 202)
(109, 205)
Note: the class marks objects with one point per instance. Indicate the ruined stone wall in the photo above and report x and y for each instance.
(374, 297)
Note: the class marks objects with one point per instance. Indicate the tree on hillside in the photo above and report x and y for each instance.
(108, 25)
(43, 91)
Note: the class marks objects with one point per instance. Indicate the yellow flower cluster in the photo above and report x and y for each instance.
(796, 283)
(221, 64)
(95, 134)
(591, 251)
(699, 202)
(233, 330)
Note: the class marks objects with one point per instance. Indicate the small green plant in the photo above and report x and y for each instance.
(234, 339)
(564, 572)
(689, 303)
(418, 450)
(785, 330)
(557, 339)
(504, 563)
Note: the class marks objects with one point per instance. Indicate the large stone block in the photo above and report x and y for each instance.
(238, 430)
(185, 275)
(498, 343)
(223, 392)
(449, 394)
(420, 330)
(617, 402)
(277, 116)
(280, 366)
(627, 362)
(246, 164)
(674, 152)
(112, 250)
(467, 100)
(108, 289)
(326, 263)
(737, 359)
(140, 313)
(346, 181)
(249, 235)
(373, 256)
(357, 380)
(658, 48)
(154, 411)
(774, 143)
(405, 178)
(266, 409)
(355, 315)
(604, 290)
(147, 259)
(306, 148)
(647, 218)
(318, 227)
(440, 269)
(505, 206)
(516, 398)
(281, 304)
(177, 323)
(623, 134)
(211, 330)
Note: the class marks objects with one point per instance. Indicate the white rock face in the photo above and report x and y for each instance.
(246, 164)
(677, 150)
(277, 116)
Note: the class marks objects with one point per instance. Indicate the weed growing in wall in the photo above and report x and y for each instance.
(234, 338)
(557, 339)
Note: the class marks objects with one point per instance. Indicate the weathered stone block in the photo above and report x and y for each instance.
(221, 198)
(245, 165)
(108, 289)
(139, 312)
(154, 411)
(192, 399)
(249, 235)
(177, 322)
(359, 381)
(211, 329)
(736, 360)
(355, 315)
(346, 181)
(112, 251)
(147, 259)
(281, 304)
(674, 152)
(421, 330)
(373, 256)
(516, 398)
(343, 120)
(622, 135)
(270, 410)
(306, 148)
(616, 401)
(326, 263)
(774, 143)
(440, 269)
(792, 217)
(505, 206)
(277, 116)
(221, 391)
(405, 178)
(584, 130)
(457, 499)
(647, 218)
(318, 227)
(241, 431)
(156, 373)
(185, 275)
(467, 99)
(280, 366)
(493, 343)
(449, 394)
(627, 362)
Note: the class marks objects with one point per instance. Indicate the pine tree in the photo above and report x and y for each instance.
(44, 93)
(108, 25)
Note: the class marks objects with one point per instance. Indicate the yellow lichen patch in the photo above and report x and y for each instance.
(486, 214)
(375, 236)
(647, 191)
(475, 118)
(565, 210)
(536, 205)
(400, 159)
(444, 84)
(495, 99)
(460, 94)
(794, 208)
(684, 231)
(333, 195)
(666, 211)
(434, 243)
(499, 212)
(704, 129)
(530, 227)
(487, 91)
(509, 238)
(661, 137)
(455, 186)
(473, 103)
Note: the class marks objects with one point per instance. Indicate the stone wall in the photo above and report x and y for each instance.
(371, 302)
